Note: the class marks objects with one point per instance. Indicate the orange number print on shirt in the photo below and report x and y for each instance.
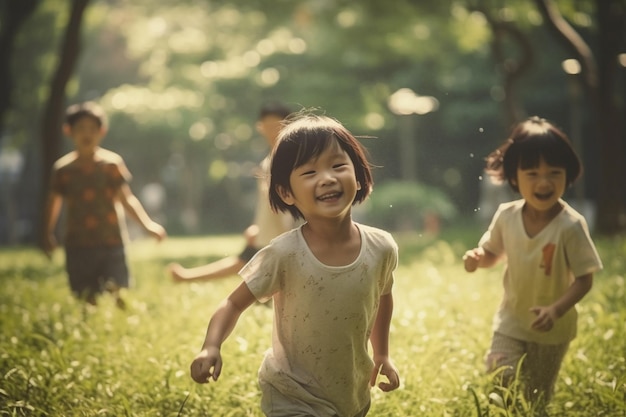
(546, 260)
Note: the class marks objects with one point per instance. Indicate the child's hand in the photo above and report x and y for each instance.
(157, 231)
(177, 271)
(208, 364)
(472, 258)
(387, 369)
(546, 317)
(49, 245)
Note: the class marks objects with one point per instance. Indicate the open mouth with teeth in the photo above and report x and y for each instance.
(329, 196)
(543, 196)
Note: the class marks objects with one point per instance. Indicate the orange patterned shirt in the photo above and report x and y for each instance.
(89, 189)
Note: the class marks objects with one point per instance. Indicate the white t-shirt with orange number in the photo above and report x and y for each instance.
(539, 270)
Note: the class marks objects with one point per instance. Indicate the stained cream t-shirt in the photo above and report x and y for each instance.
(323, 318)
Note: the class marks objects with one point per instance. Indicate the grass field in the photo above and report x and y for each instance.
(58, 358)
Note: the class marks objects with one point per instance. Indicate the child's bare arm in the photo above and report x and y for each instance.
(208, 363)
(479, 258)
(53, 209)
(220, 268)
(133, 206)
(380, 345)
(547, 315)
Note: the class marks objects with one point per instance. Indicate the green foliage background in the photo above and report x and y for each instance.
(183, 82)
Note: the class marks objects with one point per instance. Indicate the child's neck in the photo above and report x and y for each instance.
(536, 220)
(87, 155)
(330, 229)
(334, 243)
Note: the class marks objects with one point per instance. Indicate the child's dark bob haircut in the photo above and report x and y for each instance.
(75, 112)
(530, 141)
(274, 108)
(306, 137)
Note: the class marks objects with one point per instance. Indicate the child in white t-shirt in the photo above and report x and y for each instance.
(550, 257)
(330, 281)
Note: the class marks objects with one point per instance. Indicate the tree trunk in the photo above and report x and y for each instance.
(610, 128)
(14, 14)
(51, 133)
(513, 68)
(599, 74)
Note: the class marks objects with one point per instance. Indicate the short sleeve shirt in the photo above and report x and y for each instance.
(539, 269)
(90, 193)
(323, 318)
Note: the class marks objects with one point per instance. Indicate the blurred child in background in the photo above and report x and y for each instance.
(93, 182)
(267, 224)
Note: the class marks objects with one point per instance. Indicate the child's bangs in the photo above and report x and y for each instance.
(311, 145)
(553, 151)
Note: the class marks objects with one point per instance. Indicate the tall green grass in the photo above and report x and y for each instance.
(61, 358)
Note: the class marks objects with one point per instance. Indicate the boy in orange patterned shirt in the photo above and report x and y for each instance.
(93, 183)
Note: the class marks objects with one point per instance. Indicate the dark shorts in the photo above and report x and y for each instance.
(247, 253)
(89, 269)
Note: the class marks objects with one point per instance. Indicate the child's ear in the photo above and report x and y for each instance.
(358, 185)
(67, 129)
(285, 195)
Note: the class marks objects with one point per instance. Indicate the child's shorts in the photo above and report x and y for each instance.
(89, 269)
(541, 362)
(276, 404)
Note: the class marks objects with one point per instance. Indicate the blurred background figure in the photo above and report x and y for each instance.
(93, 182)
(266, 225)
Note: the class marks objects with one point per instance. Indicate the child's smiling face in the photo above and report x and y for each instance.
(541, 186)
(325, 185)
